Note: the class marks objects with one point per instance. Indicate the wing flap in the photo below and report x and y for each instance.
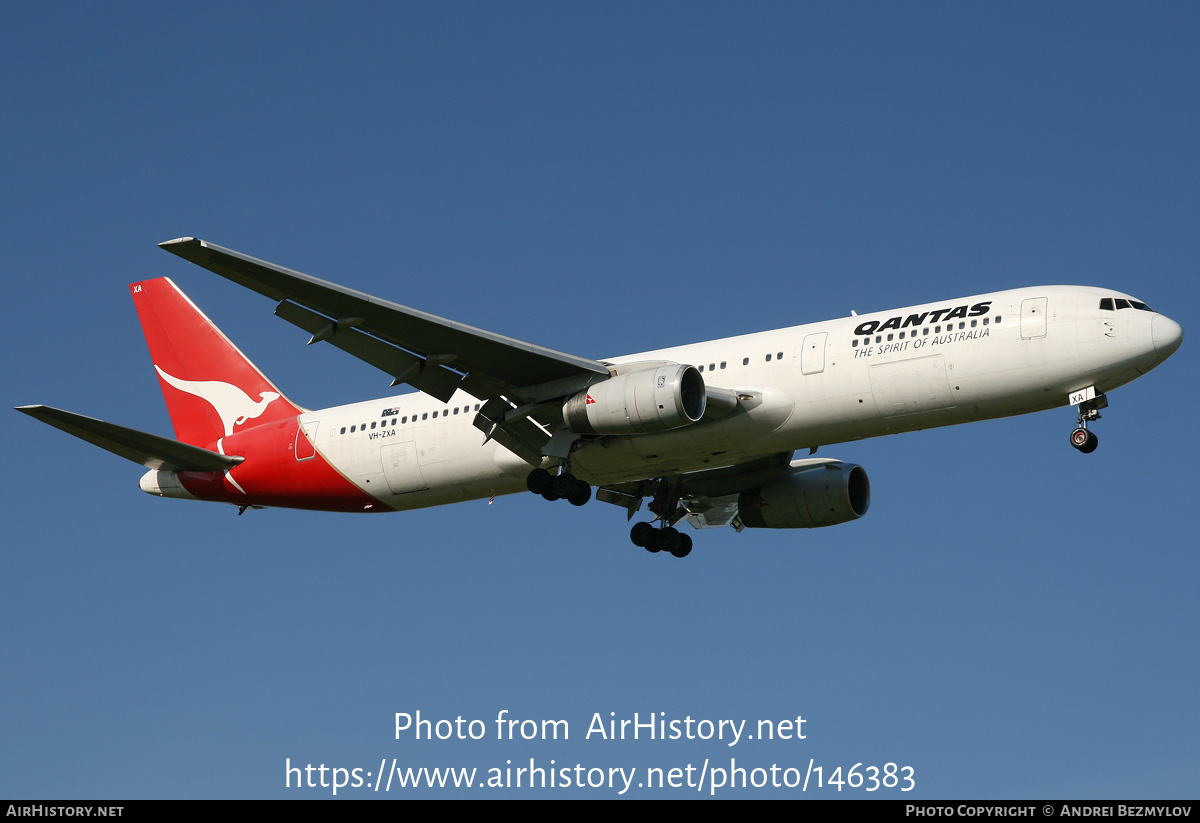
(431, 378)
(149, 450)
(712, 512)
(499, 420)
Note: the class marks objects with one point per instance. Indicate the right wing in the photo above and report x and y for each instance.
(709, 498)
(150, 450)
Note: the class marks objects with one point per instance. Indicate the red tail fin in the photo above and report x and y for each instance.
(211, 389)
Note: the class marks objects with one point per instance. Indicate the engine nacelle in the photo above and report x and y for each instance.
(652, 399)
(825, 494)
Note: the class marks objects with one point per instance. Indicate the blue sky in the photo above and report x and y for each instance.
(1012, 619)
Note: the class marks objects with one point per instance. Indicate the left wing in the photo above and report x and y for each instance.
(431, 353)
(435, 355)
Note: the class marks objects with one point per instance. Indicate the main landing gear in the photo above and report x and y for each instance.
(1089, 410)
(565, 486)
(668, 539)
(667, 511)
(654, 539)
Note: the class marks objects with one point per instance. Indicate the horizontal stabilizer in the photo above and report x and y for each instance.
(149, 450)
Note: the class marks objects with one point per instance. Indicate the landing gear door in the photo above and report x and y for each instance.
(812, 355)
(1033, 318)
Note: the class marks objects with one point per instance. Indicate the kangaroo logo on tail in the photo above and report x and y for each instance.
(233, 405)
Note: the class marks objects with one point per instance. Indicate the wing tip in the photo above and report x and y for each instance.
(170, 245)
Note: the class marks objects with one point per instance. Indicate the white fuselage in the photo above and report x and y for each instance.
(937, 364)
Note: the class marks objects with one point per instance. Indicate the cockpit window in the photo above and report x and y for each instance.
(1114, 303)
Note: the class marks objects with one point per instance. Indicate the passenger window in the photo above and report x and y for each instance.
(722, 364)
(745, 361)
(768, 358)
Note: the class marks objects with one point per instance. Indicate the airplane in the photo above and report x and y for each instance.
(706, 432)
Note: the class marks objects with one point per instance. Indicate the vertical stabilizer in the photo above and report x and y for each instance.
(212, 390)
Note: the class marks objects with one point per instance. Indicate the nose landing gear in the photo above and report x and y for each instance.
(1089, 410)
(1084, 440)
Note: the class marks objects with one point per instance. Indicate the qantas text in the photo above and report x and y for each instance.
(936, 316)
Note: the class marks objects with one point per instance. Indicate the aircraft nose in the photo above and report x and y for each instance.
(1167, 334)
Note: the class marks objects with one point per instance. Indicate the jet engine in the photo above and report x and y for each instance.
(824, 494)
(639, 401)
